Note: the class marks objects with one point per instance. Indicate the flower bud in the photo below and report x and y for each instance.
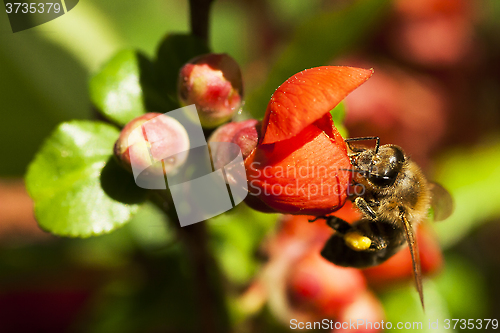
(154, 143)
(229, 146)
(245, 134)
(213, 83)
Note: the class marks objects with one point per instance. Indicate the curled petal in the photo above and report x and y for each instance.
(306, 97)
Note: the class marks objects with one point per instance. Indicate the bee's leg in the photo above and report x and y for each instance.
(365, 208)
(415, 253)
(318, 218)
(352, 237)
(338, 224)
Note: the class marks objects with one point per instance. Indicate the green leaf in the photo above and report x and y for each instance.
(150, 228)
(338, 116)
(116, 90)
(471, 176)
(235, 237)
(173, 52)
(402, 306)
(316, 42)
(464, 288)
(78, 188)
(130, 84)
(37, 93)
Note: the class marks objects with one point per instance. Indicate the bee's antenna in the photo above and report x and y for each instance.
(363, 138)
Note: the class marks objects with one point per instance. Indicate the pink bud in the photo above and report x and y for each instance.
(155, 142)
(243, 133)
(213, 83)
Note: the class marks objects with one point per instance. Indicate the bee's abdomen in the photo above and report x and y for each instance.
(381, 232)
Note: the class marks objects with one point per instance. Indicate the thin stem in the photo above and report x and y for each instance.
(195, 238)
(199, 16)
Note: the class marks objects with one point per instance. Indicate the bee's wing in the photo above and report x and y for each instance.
(415, 256)
(441, 202)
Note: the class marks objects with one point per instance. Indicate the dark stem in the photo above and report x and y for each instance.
(195, 238)
(199, 16)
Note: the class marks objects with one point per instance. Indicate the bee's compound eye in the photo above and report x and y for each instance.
(397, 158)
(382, 181)
(386, 166)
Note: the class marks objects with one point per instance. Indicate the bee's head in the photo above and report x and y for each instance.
(382, 167)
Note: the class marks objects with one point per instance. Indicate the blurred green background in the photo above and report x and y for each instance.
(126, 281)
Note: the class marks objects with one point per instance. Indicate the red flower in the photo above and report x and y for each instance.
(433, 33)
(388, 102)
(297, 166)
(319, 286)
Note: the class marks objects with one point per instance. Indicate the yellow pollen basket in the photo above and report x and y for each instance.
(356, 241)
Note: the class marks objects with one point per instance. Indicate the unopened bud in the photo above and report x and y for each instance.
(213, 83)
(154, 143)
(245, 134)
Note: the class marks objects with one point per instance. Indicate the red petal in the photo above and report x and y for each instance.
(302, 175)
(326, 124)
(306, 97)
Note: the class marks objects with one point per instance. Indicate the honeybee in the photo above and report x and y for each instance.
(396, 197)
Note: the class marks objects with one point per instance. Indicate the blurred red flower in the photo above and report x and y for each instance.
(302, 285)
(401, 108)
(434, 33)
